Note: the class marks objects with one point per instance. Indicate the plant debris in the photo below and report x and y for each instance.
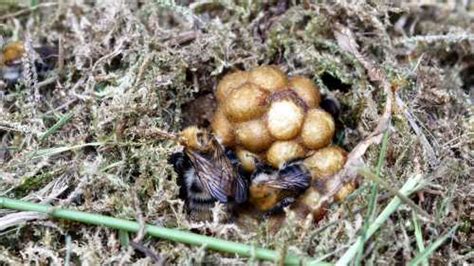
(82, 136)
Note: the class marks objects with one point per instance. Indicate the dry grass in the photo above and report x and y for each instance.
(77, 140)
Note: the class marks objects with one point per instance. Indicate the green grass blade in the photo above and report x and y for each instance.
(175, 235)
(61, 122)
(383, 153)
(409, 187)
(373, 196)
(124, 238)
(431, 248)
(370, 175)
(419, 237)
(57, 150)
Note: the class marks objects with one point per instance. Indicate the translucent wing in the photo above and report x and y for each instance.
(221, 161)
(217, 174)
(233, 183)
(292, 177)
(210, 176)
(240, 184)
(240, 190)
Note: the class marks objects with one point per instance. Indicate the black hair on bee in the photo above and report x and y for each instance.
(331, 105)
(207, 178)
(44, 62)
(295, 176)
(279, 188)
(181, 164)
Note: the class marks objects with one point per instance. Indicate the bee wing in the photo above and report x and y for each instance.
(240, 185)
(291, 178)
(213, 178)
(295, 177)
(240, 189)
(279, 184)
(220, 158)
(233, 183)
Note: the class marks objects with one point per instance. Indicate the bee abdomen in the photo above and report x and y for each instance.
(197, 198)
(195, 188)
(200, 203)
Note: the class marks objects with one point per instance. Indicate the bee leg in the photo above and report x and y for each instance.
(281, 205)
(234, 211)
(286, 202)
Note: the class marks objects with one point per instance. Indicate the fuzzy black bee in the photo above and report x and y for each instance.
(272, 189)
(208, 176)
(11, 65)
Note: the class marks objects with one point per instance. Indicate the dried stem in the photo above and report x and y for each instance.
(346, 41)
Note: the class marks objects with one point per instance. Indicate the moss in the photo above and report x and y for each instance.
(138, 65)
(30, 184)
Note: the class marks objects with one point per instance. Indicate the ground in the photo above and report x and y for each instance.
(128, 66)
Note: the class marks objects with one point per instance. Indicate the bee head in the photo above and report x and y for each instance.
(195, 138)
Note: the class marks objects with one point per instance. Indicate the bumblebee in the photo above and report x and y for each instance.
(11, 65)
(272, 189)
(208, 174)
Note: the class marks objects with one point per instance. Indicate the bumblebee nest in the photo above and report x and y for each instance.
(127, 67)
(266, 116)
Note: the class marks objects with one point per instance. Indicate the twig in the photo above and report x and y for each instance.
(451, 38)
(15, 219)
(47, 81)
(160, 134)
(149, 253)
(112, 54)
(27, 10)
(346, 41)
(184, 37)
(60, 54)
(432, 158)
(67, 260)
(62, 106)
(143, 68)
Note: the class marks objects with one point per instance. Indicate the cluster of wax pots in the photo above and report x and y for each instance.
(264, 115)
